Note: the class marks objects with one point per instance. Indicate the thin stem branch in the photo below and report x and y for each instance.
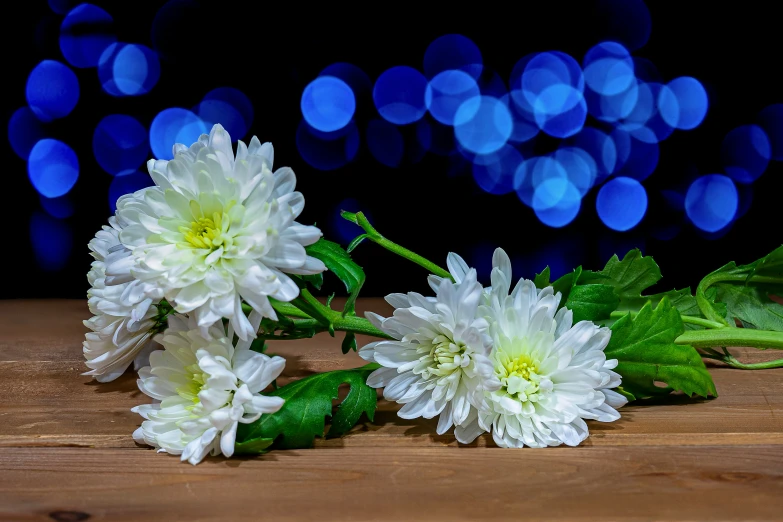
(732, 337)
(374, 236)
(731, 361)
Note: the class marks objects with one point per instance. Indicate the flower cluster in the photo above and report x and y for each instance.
(495, 360)
(215, 233)
(191, 271)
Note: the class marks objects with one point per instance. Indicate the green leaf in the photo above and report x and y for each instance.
(308, 402)
(644, 346)
(592, 302)
(752, 306)
(316, 280)
(339, 262)
(629, 277)
(565, 283)
(542, 280)
(252, 446)
(770, 265)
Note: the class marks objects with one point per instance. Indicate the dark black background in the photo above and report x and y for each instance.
(271, 53)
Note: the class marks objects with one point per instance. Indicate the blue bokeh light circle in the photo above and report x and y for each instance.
(711, 202)
(636, 158)
(556, 202)
(615, 107)
(600, 147)
(608, 68)
(24, 131)
(229, 107)
(579, 166)
(52, 241)
(453, 52)
(327, 151)
(127, 184)
(128, 69)
(328, 104)
(53, 168)
(385, 142)
(120, 144)
(683, 103)
(771, 120)
(52, 90)
(494, 173)
(745, 153)
(483, 124)
(172, 126)
(533, 172)
(61, 207)
(446, 92)
(621, 203)
(399, 95)
(560, 111)
(85, 33)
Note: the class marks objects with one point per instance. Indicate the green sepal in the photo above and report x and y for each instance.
(349, 342)
(542, 280)
(308, 402)
(339, 262)
(645, 349)
(316, 280)
(257, 446)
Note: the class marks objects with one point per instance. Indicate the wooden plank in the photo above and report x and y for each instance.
(650, 483)
(48, 403)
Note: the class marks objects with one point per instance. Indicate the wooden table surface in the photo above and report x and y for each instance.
(67, 452)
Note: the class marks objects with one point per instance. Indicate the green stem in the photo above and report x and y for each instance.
(731, 361)
(373, 235)
(351, 323)
(685, 319)
(732, 337)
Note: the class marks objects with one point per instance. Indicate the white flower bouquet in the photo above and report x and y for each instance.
(194, 276)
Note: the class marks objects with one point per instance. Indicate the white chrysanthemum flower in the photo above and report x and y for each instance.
(553, 374)
(204, 388)
(125, 310)
(438, 362)
(217, 229)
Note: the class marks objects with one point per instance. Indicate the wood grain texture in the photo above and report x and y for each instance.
(66, 451)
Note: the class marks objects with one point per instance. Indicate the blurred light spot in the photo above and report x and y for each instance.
(53, 168)
(346, 230)
(745, 153)
(483, 124)
(128, 69)
(328, 104)
(61, 207)
(385, 142)
(228, 107)
(179, 27)
(494, 172)
(545, 70)
(63, 6)
(552, 86)
(453, 52)
(357, 79)
(560, 111)
(51, 240)
(621, 203)
(645, 122)
(771, 120)
(533, 172)
(120, 144)
(446, 92)
(52, 90)
(608, 68)
(84, 34)
(171, 126)
(615, 107)
(643, 108)
(638, 158)
(525, 127)
(579, 166)
(127, 184)
(556, 202)
(711, 202)
(24, 131)
(683, 103)
(600, 147)
(327, 151)
(491, 84)
(625, 21)
(399, 95)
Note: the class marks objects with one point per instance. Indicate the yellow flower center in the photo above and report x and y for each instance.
(447, 356)
(518, 370)
(522, 367)
(190, 390)
(205, 232)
